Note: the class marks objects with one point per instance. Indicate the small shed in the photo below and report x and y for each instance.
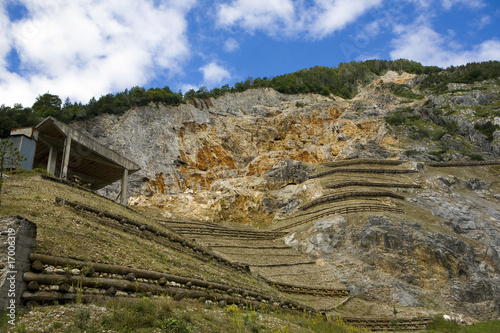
(24, 140)
(67, 152)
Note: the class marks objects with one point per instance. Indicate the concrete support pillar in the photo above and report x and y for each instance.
(124, 192)
(65, 159)
(51, 165)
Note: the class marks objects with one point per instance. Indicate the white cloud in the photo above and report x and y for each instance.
(186, 87)
(480, 23)
(214, 74)
(421, 3)
(252, 15)
(423, 44)
(368, 56)
(292, 18)
(5, 43)
(85, 48)
(330, 16)
(231, 45)
(448, 4)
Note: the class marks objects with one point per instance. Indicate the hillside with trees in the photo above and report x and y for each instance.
(341, 81)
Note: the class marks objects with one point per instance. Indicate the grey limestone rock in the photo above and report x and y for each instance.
(335, 224)
(473, 99)
(323, 243)
(404, 298)
(288, 171)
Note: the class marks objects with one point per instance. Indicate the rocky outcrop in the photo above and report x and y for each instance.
(237, 135)
(193, 145)
(465, 112)
(247, 158)
(288, 172)
(407, 263)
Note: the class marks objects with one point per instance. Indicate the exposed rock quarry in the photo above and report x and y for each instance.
(189, 151)
(247, 158)
(184, 147)
(196, 151)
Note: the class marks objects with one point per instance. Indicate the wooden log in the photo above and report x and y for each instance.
(112, 285)
(37, 266)
(337, 197)
(374, 171)
(148, 228)
(139, 273)
(362, 161)
(64, 288)
(33, 286)
(286, 265)
(50, 296)
(101, 283)
(124, 270)
(374, 184)
(305, 288)
(463, 163)
(47, 296)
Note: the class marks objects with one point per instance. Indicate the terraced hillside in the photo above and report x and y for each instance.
(374, 241)
(373, 238)
(89, 249)
(405, 233)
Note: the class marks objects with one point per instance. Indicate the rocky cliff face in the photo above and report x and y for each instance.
(241, 136)
(206, 150)
(247, 158)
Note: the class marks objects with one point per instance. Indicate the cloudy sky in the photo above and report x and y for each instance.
(85, 48)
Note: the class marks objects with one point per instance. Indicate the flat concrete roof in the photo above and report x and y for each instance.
(91, 161)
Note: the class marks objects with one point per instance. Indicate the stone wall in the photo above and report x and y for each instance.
(17, 241)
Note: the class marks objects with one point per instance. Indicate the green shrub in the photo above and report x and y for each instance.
(469, 73)
(402, 90)
(487, 129)
(411, 152)
(82, 318)
(440, 154)
(486, 327)
(439, 324)
(438, 134)
(419, 133)
(476, 157)
(143, 313)
(483, 112)
(400, 117)
(452, 127)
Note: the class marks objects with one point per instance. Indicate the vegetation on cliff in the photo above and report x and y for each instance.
(342, 81)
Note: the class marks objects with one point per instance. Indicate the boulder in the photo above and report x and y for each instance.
(288, 172)
(331, 225)
(403, 298)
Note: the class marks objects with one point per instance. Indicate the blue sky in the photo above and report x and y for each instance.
(85, 48)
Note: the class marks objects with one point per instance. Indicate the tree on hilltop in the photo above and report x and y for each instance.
(47, 105)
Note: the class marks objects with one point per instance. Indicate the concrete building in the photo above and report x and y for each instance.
(67, 153)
